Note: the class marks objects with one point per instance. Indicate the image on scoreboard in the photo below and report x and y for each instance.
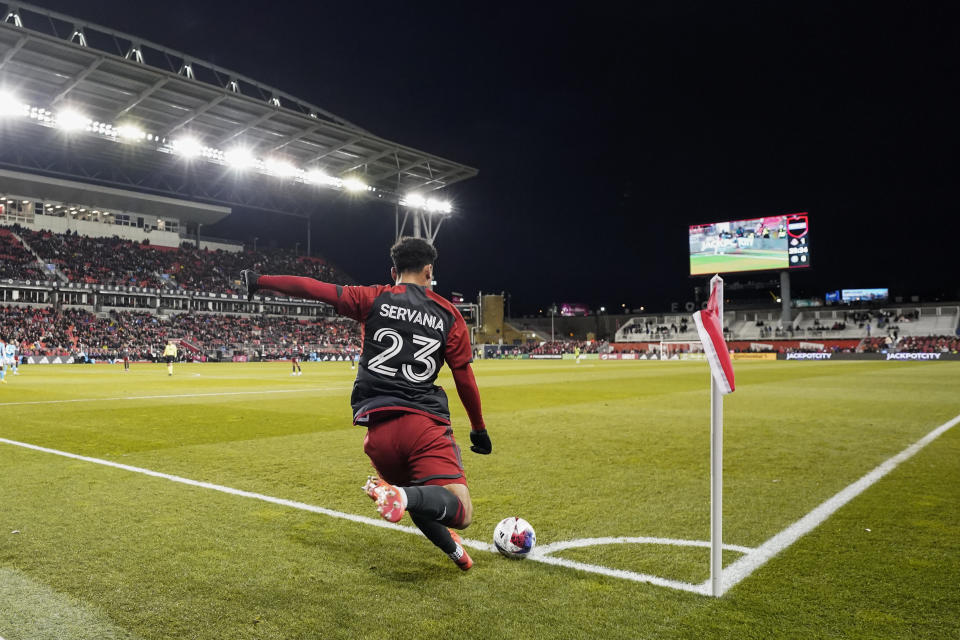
(753, 244)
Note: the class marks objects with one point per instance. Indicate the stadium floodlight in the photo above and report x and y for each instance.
(430, 205)
(11, 105)
(72, 120)
(130, 132)
(438, 206)
(414, 201)
(188, 147)
(239, 158)
(354, 184)
(280, 167)
(321, 177)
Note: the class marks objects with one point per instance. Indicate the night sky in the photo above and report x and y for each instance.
(602, 130)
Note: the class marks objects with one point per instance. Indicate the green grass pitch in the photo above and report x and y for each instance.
(744, 260)
(582, 451)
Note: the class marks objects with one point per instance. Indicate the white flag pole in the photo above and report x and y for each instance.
(716, 467)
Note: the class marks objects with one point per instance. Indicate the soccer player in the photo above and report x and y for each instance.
(3, 361)
(410, 331)
(295, 360)
(576, 352)
(11, 359)
(126, 357)
(170, 354)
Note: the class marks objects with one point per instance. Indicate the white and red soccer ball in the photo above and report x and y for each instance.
(514, 537)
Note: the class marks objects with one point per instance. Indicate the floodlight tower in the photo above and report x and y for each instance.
(424, 214)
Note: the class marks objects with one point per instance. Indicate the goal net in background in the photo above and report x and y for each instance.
(681, 350)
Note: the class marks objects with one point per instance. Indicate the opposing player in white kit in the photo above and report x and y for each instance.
(10, 357)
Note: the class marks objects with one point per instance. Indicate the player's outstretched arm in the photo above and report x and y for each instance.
(470, 397)
(297, 286)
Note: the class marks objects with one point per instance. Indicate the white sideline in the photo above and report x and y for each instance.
(747, 564)
(376, 522)
(176, 395)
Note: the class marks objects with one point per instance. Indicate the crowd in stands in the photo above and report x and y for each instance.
(550, 347)
(15, 261)
(650, 330)
(559, 347)
(930, 344)
(875, 344)
(43, 331)
(115, 261)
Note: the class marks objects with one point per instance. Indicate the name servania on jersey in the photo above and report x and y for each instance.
(913, 356)
(411, 315)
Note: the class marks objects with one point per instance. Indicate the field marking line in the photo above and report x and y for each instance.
(740, 569)
(175, 395)
(376, 522)
(539, 555)
(563, 545)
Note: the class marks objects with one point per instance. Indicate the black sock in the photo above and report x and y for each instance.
(435, 503)
(435, 532)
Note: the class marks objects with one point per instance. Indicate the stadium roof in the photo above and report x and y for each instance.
(55, 62)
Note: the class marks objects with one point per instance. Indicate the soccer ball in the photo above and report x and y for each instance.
(514, 537)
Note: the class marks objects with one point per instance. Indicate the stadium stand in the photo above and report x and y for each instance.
(929, 344)
(142, 323)
(119, 262)
(41, 331)
(828, 324)
(16, 261)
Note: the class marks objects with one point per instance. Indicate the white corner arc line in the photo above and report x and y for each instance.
(746, 565)
(622, 574)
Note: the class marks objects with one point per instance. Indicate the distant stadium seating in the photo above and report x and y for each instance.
(16, 261)
(929, 344)
(816, 324)
(114, 261)
(42, 331)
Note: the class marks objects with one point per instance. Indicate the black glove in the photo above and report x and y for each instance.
(250, 278)
(481, 441)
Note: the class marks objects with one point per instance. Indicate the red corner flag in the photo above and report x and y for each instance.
(710, 328)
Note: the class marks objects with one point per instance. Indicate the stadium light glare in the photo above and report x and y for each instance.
(239, 158)
(188, 147)
(72, 120)
(431, 205)
(11, 105)
(130, 132)
(414, 201)
(354, 184)
(279, 167)
(321, 177)
(438, 206)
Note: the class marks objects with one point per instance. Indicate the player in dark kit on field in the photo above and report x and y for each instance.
(409, 332)
(295, 360)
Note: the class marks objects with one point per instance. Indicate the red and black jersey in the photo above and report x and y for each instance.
(408, 333)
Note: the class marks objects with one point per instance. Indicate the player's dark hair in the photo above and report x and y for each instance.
(412, 254)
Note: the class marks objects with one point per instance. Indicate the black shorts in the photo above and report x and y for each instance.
(169, 359)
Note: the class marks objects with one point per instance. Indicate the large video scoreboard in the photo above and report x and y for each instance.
(753, 244)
